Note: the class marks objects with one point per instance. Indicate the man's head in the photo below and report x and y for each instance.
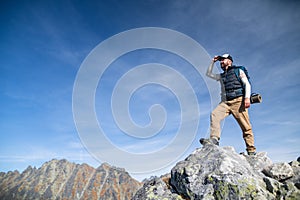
(225, 61)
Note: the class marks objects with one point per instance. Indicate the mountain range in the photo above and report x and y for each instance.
(60, 179)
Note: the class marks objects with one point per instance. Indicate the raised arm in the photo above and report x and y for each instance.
(209, 72)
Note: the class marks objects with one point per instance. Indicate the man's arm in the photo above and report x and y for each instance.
(247, 85)
(209, 72)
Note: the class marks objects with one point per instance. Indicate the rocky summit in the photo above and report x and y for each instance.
(60, 179)
(214, 172)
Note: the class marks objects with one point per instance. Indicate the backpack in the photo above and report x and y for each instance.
(254, 98)
(237, 72)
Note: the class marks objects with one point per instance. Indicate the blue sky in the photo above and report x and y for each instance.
(44, 44)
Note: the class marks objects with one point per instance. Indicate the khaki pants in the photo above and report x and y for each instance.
(237, 109)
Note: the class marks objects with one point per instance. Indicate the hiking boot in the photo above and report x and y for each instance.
(205, 141)
(252, 153)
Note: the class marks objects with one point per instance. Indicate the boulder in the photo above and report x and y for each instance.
(155, 189)
(279, 171)
(296, 169)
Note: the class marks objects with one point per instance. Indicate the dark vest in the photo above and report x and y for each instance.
(231, 86)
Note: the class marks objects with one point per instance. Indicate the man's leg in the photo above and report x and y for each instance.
(217, 115)
(241, 115)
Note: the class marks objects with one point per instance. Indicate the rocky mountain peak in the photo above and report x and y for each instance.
(214, 172)
(108, 167)
(61, 179)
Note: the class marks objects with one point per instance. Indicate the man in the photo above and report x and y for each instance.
(236, 91)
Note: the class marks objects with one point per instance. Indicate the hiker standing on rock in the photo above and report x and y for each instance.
(236, 91)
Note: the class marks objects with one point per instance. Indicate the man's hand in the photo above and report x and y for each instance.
(216, 58)
(247, 102)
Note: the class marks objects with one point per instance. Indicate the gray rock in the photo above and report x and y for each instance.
(282, 190)
(259, 162)
(279, 171)
(155, 189)
(213, 172)
(273, 185)
(296, 169)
